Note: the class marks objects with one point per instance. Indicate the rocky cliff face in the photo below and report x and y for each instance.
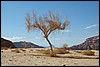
(91, 43)
(6, 43)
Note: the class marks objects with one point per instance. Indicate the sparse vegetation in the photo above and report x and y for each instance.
(78, 51)
(24, 50)
(16, 50)
(87, 52)
(31, 50)
(55, 51)
(65, 46)
(1, 51)
(4, 48)
(24, 44)
(47, 24)
(60, 51)
(32, 46)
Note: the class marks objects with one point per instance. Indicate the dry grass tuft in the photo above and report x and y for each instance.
(61, 51)
(78, 51)
(88, 52)
(4, 48)
(55, 51)
(1, 51)
(31, 50)
(24, 50)
(16, 50)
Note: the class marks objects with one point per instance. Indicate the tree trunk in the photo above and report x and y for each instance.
(50, 45)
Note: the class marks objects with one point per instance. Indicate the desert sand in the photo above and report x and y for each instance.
(33, 57)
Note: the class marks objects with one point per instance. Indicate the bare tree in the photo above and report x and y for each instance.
(46, 24)
(65, 46)
(24, 44)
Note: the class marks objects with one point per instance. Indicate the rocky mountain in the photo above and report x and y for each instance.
(29, 45)
(7, 43)
(91, 43)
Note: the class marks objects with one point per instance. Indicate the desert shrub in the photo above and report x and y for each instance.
(4, 48)
(31, 50)
(9, 47)
(16, 50)
(55, 51)
(60, 51)
(87, 52)
(77, 51)
(65, 46)
(23, 50)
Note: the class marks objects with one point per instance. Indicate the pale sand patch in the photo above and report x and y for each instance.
(32, 57)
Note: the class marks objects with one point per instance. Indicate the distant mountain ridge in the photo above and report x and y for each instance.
(7, 43)
(19, 45)
(91, 43)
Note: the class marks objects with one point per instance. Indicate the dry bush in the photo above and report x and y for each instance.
(78, 51)
(16, 50)
(4, 48)
(59, 51)
(87, 52)
(55, 51)
(1, 51)
(24, 50)
(31, 50)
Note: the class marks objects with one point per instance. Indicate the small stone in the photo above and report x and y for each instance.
(10, 60)
(38, 57)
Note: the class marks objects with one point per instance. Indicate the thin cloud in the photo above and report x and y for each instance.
(91, 26)
(14, 38)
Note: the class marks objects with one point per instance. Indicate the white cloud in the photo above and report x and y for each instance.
(65, 31)
(94, 25)
(14, 38)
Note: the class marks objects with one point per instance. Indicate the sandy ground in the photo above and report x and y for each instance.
(32, 57)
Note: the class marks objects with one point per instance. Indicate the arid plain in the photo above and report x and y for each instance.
(36, 57)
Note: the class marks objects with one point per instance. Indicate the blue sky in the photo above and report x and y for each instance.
(82, 15)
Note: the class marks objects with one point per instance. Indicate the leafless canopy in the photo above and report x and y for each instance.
(46, 24)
